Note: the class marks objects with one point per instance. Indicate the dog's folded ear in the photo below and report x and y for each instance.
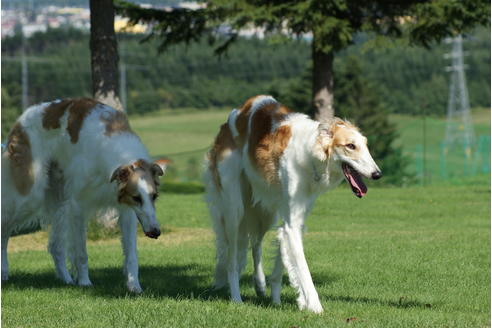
(121, 174)
(159, 167)
(325, 140)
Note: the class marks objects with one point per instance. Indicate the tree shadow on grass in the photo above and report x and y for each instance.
(188, 281)
(402, 303)
(178, 281)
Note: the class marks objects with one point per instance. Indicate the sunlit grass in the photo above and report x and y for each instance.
(413, 257)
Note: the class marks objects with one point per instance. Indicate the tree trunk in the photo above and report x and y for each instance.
(322, 84)
(104, 53)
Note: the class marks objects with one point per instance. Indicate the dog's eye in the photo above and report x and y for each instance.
(137, 199)
(350, 146)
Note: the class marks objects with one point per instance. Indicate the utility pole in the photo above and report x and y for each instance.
(459, 128)
(24, 75)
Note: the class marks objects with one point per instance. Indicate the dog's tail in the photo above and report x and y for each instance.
(231, 122)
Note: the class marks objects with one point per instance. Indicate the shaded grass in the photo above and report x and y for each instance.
(414, 257)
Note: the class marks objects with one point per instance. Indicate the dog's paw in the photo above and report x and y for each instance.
(134, 288)
(260, 290)
(67, 280)
(313, 307)
(84, 283)
(218, 286)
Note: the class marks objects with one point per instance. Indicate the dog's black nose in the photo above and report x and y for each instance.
(154, 233)
(376, 175)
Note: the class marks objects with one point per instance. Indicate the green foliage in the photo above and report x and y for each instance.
(176, 26)
(186, 76)
(333, 24)
(10, 110)
(412, 80)
(436, 20)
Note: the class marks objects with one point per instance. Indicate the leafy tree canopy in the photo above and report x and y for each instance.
(333, 23)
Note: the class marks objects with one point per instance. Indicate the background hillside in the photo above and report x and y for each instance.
(188, 84)
(407, 78)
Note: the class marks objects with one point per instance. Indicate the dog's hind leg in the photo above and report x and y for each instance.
(220, 276)
(258, 274)
(5, 261)
(258, 220)
(231, 229)
(56, 207)
(233, 210)
(242, 247)
(128, 226)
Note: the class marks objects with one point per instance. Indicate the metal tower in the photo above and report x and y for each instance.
(459, 129)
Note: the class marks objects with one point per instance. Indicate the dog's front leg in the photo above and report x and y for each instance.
(292, 252)
(128, 226)
(57, 244)
(78, 243)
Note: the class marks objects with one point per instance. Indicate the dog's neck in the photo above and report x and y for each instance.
(317, 174)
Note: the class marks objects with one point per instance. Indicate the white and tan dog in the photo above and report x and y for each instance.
(66, 161)
(267, 162)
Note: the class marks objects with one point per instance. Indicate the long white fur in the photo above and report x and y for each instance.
(73, 193)
(246, 207)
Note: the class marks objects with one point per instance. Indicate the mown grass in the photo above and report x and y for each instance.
(413, 257)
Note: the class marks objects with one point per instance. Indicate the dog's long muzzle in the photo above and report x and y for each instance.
(153, 232)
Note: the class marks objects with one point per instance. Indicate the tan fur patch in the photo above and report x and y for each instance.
(265, 147)
(223, 142)
(78, 110)
(116, 123)
(342, 132)
(342, 135)
(20, 158)
(53, 113)
(128, 188)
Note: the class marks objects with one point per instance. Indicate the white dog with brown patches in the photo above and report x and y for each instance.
(66, 161)
(267, 162)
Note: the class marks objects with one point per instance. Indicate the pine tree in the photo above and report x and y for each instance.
(332, 24)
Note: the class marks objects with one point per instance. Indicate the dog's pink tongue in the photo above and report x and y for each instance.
(355, 181)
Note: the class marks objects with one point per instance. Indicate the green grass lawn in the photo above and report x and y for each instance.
(412, 257)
